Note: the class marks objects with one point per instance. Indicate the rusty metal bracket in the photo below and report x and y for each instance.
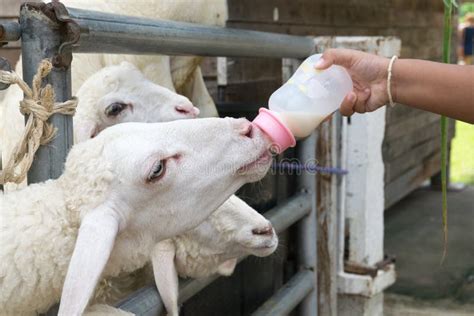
(387, 260)
(69, 29)
(357, 268)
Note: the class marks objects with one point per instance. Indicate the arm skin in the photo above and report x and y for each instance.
(435, 87)
(440, 88)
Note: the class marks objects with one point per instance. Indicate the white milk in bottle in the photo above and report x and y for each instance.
(310, 96)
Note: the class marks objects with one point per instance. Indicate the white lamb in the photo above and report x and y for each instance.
(121, 93)
(122, 192)
(234, 230)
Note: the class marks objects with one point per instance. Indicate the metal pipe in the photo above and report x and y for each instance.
(288, 297)
(307, 227)
(118, 34)
(189, 288)
(10, 31)
(148, 299)
(289, 212)
(40, 39)
(144, 302)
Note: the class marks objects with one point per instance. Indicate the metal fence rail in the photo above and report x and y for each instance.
(118, 34)
(288, 297)
(109, 33)
(53, 31)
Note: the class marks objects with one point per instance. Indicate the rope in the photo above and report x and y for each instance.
(38, 105)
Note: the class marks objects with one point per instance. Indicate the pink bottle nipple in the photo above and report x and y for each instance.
(273, 126)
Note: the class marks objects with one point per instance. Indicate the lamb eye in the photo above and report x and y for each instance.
(115, 108)
(157, 171)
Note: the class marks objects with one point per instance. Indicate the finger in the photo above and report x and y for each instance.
(324, 62)
(347, 106)
(362, 98)
(336, 56)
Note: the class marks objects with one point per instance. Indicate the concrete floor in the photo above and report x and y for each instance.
(401, 305)
(413, 233)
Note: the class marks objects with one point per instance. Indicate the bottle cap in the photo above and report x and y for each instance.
(273, 126)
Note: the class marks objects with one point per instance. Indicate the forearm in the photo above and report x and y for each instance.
(435, 87)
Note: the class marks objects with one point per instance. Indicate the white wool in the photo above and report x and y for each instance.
(104, 183)
(12, 123)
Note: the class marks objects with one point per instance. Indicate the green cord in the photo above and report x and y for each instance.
(448, 13)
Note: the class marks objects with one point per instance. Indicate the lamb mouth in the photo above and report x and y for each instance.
(261, 247)
(264, 247)
(263, 159)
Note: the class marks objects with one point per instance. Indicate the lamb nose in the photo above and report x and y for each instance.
(182, 109)
(266, 231)
(188, 110)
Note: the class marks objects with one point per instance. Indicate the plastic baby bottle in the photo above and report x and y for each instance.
(303, 102)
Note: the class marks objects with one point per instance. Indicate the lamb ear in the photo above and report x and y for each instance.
(85, 130)
(94, 244)
(166, 276)
(227, 267)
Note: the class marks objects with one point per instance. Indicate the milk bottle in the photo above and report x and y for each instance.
(303, 102)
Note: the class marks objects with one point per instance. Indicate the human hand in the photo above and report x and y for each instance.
(369, 77)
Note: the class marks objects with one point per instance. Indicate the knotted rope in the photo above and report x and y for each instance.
(38, 105)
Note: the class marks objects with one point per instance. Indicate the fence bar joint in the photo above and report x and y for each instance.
(41, 38)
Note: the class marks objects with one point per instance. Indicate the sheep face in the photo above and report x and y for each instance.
(170, 176)
(121, 93)
(236, 229)
(255, 235)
